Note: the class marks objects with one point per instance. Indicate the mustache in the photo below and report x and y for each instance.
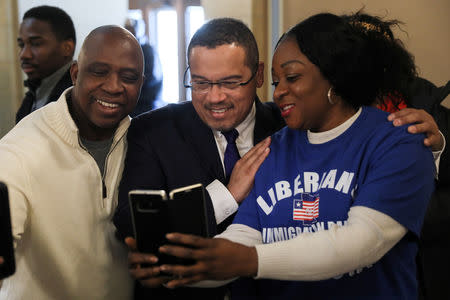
(27, 63)
(221, 105)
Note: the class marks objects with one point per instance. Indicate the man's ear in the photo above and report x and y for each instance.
(260, 75)
(68, 48)
(74, 72)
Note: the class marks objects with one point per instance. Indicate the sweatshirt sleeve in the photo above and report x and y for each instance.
(368, 235)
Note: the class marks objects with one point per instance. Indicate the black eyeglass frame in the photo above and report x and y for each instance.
(211, 83)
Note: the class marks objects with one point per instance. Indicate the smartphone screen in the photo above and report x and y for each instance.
(6, 241)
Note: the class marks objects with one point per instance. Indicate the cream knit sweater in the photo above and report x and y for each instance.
(62, 225)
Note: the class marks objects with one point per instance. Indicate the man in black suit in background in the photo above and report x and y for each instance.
(183, 144)
(432, 259)
(151, 91)
(47, 44)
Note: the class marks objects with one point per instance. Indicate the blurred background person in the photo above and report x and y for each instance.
(47, 43)
(151, 89)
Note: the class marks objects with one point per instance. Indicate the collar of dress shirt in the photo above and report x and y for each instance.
(50, 82)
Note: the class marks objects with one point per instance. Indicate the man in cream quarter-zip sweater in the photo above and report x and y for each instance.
(62, 165)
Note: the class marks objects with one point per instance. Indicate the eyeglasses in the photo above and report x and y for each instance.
(203, 86)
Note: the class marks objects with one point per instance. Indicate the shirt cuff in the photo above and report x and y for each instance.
(223, 202)
(437, 155)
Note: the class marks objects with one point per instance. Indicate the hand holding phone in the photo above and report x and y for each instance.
(154, 215)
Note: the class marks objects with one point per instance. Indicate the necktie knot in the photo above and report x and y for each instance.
(231, 135)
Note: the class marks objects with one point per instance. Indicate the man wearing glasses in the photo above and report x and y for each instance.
(200, 141)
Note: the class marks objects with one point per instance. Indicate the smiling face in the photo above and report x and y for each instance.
(218, 108)
(301, 90)
(107, 81)
(41, 52)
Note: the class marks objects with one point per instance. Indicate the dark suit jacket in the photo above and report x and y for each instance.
(169, 148)
(64, 83)
(433, 258)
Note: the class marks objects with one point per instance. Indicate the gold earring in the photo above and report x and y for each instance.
(329, 97)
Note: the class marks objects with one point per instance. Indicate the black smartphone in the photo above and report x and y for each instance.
(154, 215)
(187, 210)
(149, 216)
(6, 241)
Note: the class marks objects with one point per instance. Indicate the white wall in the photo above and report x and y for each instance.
(239, 9)
(86, 14)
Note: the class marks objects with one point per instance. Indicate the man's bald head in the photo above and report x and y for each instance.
(107, 79)
(97, 36)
